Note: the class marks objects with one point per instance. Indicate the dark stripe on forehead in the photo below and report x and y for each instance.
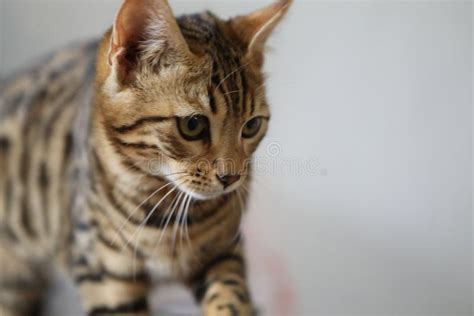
(244, 93)
(205, 30)
(235, 84)
(217, 80)
(203, 26)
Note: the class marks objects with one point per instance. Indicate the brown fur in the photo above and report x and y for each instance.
(122, 195)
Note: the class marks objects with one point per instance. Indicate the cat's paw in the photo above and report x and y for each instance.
(222, 300)
(228, 310)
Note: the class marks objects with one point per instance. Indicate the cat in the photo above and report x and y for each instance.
(126, 161)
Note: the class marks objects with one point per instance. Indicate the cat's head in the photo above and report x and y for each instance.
(184, 99)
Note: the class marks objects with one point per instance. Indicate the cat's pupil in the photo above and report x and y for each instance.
(193, 123)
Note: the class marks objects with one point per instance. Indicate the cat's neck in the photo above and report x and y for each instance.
(138, 195)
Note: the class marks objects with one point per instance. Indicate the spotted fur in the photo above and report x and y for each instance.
(97, 179)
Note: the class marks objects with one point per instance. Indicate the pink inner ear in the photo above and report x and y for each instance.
(256, 27)
(129, 29)
(130, 24)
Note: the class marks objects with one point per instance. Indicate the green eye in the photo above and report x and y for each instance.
(252, 127)
(193, 127)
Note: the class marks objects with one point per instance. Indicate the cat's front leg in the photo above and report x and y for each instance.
(222, 287)
(104, 293)
(111, 282)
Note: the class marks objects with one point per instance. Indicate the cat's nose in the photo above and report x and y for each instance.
(228, 179)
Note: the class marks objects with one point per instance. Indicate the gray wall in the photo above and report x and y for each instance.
(363, 204)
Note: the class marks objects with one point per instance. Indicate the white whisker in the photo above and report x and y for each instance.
(168, 219)
(231, 92)
(176, 226)
(150, 214)
(135, 253)
(186, 228)
(122, 226)
(231, 73)
(241, 210)
(181, 223)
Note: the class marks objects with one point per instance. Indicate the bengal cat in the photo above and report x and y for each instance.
(126, 161)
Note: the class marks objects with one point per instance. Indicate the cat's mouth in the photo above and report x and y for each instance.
(202, 186)
(206, 193)
(204, 196)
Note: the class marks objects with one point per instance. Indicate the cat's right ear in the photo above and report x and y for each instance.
(141, 28)
(128, 30)
(254, 29)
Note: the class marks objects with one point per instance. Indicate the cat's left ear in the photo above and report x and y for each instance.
(143, 31)
(254, 29)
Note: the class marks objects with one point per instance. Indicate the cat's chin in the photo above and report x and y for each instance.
(204, 196)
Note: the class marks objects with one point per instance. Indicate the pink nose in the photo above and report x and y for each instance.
(228, 179)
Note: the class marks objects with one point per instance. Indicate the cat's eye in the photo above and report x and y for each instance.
(193, 127)
(252, 127)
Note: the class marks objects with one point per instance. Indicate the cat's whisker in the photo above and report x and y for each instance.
(231, 92)
(122, 226)
(172, 174)
(180, 217)
(231, 73)
(181, 226)
(140, 163)
(241, 208)
(241, 199)
(246, 194)
(137, 232)
(163, 229)
(186, 228)
(185, 223)
(166, 218)
(261, 87)
(176, 226)
(246, 189)
(137, 240)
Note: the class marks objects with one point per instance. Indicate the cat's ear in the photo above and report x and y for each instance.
(143, 29)
(254, 29)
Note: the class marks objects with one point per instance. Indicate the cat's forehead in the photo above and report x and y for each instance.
(223, 83)
(207, 34)
(232, 76)
(206, 29)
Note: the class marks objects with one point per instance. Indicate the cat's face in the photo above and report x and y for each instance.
(185, 103)
(188, 130)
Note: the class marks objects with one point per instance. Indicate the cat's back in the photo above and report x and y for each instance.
(38, 110)
(47, 80)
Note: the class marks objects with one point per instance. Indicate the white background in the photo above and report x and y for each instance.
(378, 95)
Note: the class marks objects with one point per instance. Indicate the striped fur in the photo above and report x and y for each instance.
(97, 179)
